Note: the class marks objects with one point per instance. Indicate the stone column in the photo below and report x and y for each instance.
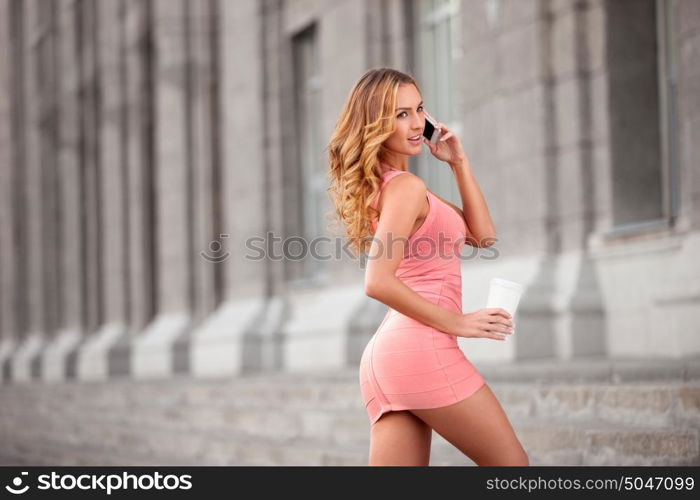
(113, 164)
(377, 44)
(584, 331)
(8, 244)
(61, 187)
(542, 306)
(25, 363)
(70, 184)
(137, 56)
(230, 340)
(202, 138)
(275, 114)
(561, 313)
(153, 348)
(204, 188)
(400, 40)
(562, 310)
(93, 353)
(90, 167)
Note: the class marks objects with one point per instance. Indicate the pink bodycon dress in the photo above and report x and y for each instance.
(407, 364)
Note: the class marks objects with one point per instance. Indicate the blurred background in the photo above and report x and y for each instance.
(163, 178)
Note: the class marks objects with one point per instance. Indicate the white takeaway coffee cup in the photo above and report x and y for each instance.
(504, 294)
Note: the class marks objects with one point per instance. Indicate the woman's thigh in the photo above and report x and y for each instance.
(400, 438)
(479, 428)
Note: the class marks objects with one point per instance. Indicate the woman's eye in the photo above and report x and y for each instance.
(403, 112)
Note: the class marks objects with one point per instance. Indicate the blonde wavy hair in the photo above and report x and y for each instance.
(356, 149)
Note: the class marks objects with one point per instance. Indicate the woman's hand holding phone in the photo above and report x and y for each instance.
(448, 147)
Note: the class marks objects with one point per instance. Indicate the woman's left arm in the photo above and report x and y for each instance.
(474, 207)
(476, 212)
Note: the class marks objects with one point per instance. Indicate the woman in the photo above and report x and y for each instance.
(413, 375)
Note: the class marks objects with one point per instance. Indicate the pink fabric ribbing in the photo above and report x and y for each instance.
(407, 364)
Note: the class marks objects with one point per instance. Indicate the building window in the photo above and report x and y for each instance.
(438, 48)
(642, 68)
(668, 123)
(311, 179)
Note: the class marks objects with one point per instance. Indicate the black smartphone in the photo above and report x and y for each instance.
(431, 130)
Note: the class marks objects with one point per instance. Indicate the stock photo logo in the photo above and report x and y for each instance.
(16, 488)
(325, 248)
(107, 483)
(215, 253)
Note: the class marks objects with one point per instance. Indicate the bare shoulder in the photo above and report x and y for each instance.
(402, 189)
(402, 205)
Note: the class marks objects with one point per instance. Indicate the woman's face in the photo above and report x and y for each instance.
(410, 122)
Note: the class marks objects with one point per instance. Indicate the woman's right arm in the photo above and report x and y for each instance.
(403, 198)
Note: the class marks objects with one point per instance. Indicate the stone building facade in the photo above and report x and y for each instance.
(151, 150)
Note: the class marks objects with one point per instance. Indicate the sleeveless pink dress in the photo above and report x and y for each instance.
(407, 364)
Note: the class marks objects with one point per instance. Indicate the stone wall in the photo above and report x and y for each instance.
(143, 143)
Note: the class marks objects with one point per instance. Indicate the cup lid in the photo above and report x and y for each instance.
(507, 283)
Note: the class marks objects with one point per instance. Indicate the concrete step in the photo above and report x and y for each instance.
(263, 402)
(661, 405)
(603, 416)
(548, 441)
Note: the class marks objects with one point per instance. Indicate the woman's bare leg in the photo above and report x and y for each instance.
(479, 428)
(400, 438)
